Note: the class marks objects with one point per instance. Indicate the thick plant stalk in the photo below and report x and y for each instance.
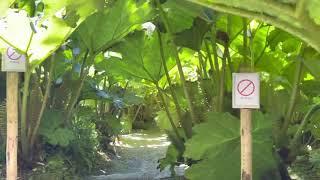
(217, 68)
(102, 104)
(230, 65)
(213, 78)
(203, 79)
(96, 107)
(210, 62)
(74, 98)
(174, 128)
(24, 129)
(201, 62)
(178, 61)
(293, 98)
(303, 124)
(215, 54)
(34, 131)
(223, 79)
(187, 126)
(245, 40)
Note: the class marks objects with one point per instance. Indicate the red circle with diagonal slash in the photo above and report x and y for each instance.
(13, 54)
(246, 87)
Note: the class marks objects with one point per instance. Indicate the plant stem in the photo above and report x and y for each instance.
(10, 44)
(300, 8)
(214, 80)
(187, 126)
(203, 65)
(174, 128)
(245, 40)
(215, 54)
(304, 122)
(217, 68)
(137, 113)
(44, 103)
(230, 65)
(178, 61)
(24, 108)
(24, 130)
(293, 98)
(222, 80)
(74, 98)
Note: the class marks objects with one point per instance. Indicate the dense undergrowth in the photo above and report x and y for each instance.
(97, 69)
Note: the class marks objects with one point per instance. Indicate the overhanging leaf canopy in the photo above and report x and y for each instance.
(300, 18)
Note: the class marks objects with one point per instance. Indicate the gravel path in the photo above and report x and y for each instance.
(138, 157)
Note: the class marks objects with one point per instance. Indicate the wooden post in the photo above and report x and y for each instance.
(246, 144)
(12, 125)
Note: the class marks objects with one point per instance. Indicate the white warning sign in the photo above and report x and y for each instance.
(246, 90)
(13, 61)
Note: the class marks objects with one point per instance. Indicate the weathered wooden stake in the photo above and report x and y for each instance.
(12, 125)
(246, 144)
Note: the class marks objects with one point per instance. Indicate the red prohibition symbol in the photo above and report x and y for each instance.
(246, 87)
(13, 54)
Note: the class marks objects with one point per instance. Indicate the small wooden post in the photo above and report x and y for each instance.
(246, 144)
(12, 125)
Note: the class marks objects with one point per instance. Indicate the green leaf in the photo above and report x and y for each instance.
(51, 129)
(103, 29)
(28, 5)
(270, 63)
(234, 22)
(311, 88)
(181, 14)
(130, 98)
(313, 9)
(83, 7)
(4, 6)
(61, 137)
(277, 36)
(114, 124)
(170, 159)
(46, 42)
(291, 45)
(163, 122)
(313, 66)
(17, 31)
(272, 100)
(216, 144)
(314, 125)
(140, 57)
(193, 37)
(52, 30)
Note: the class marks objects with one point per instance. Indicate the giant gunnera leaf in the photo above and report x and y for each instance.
(216, 147)
(313, 8)
(4, 5)
(141, 57)
(105, 28)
